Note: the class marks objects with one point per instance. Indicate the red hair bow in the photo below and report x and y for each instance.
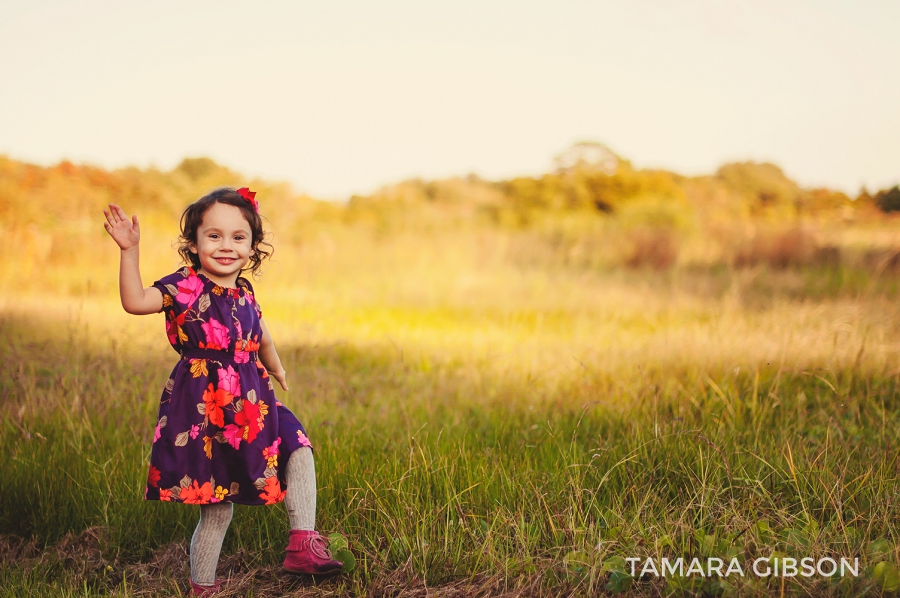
(250, 196)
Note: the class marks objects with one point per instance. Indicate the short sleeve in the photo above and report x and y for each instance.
(168, 286)
(251, 296)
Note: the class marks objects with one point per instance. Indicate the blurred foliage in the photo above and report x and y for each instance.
(762, 186)
(595, 210)
(589, 178)
(889, 199)
(46, 196)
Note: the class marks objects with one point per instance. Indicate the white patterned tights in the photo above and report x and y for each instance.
(300, 501)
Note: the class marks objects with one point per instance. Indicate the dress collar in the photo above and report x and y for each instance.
(219, 289)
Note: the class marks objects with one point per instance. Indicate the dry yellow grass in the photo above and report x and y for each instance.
(480, 416)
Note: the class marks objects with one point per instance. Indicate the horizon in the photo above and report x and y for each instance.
(550, 170)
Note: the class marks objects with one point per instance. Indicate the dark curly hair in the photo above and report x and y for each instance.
(192, 217)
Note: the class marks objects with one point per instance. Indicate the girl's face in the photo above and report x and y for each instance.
(224, 243)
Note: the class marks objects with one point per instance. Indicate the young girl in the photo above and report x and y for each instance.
(221, 436)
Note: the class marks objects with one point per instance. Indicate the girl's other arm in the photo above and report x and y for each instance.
(269, 356)
(127, 235)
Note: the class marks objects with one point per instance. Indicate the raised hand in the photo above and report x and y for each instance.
(124, 231)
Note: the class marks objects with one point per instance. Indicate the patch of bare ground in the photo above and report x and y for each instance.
(79, 560)
(16, 550)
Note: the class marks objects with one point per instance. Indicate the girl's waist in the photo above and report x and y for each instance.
(219, 355)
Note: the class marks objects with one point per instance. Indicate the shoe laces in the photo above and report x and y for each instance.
(317, 547)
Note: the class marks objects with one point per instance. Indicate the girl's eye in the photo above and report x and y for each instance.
(214, 236)
(239, 238)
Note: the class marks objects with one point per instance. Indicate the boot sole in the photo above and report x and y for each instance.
(315, 574)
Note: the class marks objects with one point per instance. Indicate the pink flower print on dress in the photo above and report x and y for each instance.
(230, 381)
(233, 435)
(189, 289)
(212, 412)
(270, 453)
(216, 334)
(172, 331)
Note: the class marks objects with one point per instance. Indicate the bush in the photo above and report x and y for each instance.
(889, 199)
(783, 249)
(653, 247)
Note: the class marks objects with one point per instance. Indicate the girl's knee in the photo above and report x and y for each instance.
(304, 453)
(217, 514)
(300, 459)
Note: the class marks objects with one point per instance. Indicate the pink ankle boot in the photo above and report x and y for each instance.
(198, 590)
(306, 553)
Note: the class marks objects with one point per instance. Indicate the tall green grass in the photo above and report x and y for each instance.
(478, 424)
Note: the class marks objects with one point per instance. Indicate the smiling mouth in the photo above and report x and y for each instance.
(224, 260)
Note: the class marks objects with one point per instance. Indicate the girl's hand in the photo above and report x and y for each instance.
(126, 233)
(279, 376)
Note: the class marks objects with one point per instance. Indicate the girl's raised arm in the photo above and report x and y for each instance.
(127, 235)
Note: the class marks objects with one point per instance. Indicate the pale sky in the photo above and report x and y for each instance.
(342, 97)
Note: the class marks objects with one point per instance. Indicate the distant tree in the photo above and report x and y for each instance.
(888, 199)
(822, 199)
(764, 184)
(197, 168)
(590, 156)
(589, 176)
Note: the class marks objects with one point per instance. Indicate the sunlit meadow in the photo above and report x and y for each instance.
(495, 411)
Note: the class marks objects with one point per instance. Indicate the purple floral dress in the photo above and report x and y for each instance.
(220, 435)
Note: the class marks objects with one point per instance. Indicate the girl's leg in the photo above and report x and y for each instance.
(306, 551)
(207, 541)
(300, 499)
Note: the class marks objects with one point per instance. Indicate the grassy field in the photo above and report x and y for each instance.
(484, 425)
